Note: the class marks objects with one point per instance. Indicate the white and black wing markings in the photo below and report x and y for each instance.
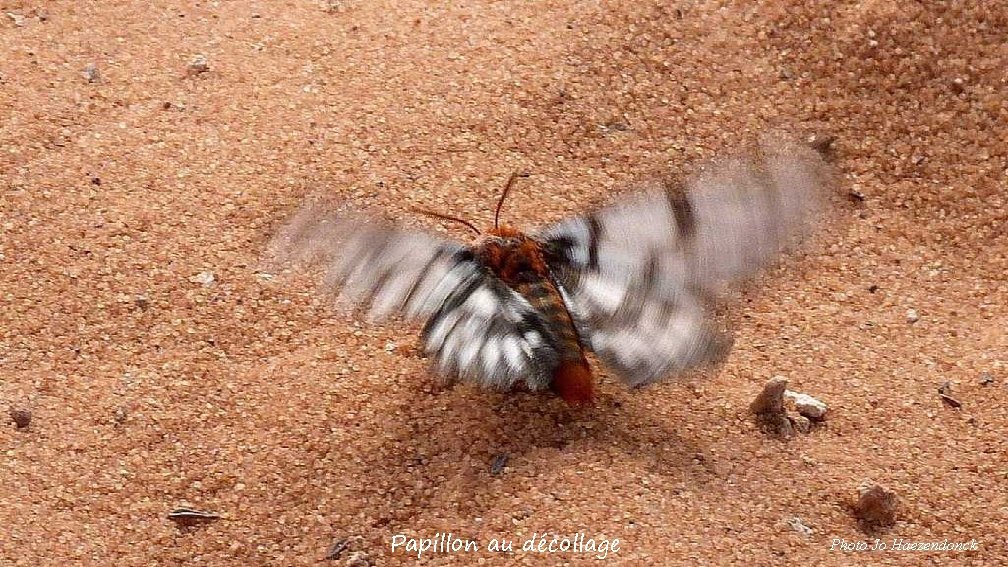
(638, 275)
(477, 328)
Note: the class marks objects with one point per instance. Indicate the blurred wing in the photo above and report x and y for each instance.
(488, 334)
(476, 327)
(648, 338)
(637, 274)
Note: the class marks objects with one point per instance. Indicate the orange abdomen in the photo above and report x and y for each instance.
(572, 381)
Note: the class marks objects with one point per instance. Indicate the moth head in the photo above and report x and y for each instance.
(503, 233)
(499, 239)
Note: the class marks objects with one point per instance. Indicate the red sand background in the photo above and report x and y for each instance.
(250, 398)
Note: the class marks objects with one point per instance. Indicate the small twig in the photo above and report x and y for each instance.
(952, 402)
(188, 517)
(337, 549)
(945, 391)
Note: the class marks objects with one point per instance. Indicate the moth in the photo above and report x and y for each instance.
(633, 282)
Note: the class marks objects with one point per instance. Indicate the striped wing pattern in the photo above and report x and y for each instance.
(638, 275)
(477, 328)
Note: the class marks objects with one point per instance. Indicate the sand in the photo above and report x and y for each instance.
(151, 387)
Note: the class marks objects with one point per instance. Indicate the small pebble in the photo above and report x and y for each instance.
(986, 379)
(334, 6)
(18, 19)
(91, 73)
(199, 65)
(614, 126)
(796, 524)
(769, 408)
(855, 196)
(822, 143)
(807, 406)
(876, 506)
(801, 423)
(912, 316)
(22, 417)
(358, 559)
(203, 278)
(771, 399)
(498, 464)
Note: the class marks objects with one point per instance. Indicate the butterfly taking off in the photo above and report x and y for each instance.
(632, 282)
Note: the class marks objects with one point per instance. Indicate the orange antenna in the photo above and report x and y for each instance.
(446, 217)
(504, 195)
